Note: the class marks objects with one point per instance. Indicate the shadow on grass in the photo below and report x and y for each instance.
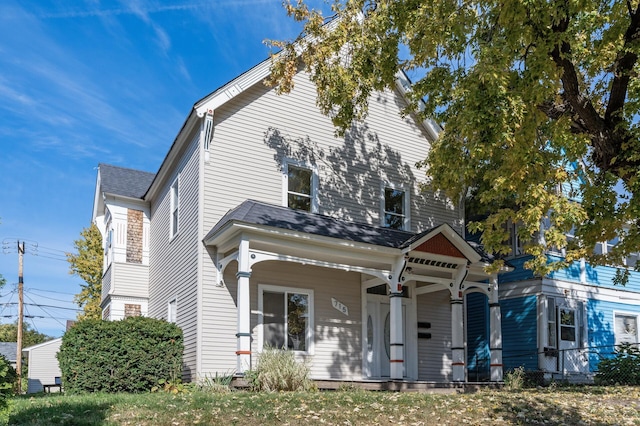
(535, 410)
(57, 410)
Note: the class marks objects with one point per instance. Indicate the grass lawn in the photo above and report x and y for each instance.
(548, 406)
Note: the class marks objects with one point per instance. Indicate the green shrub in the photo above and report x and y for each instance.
(623, 368)
(278, 370)
(131, 355)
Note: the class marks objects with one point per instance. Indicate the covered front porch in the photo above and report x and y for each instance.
(359, 303)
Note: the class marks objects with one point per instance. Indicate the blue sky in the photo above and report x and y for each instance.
(84, 82)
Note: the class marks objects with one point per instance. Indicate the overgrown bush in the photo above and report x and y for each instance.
(623, 368)
(278, 370)
(131, 355)
(515, 379)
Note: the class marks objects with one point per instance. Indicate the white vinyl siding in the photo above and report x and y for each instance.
(129, 279)
(43, 365)
(434, 354)
(337, 351)
(173, 268)
(256, 135)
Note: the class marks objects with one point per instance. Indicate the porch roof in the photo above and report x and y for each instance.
(260, 213)
(264, 214)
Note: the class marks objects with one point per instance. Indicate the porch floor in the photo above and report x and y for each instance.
(393, 385)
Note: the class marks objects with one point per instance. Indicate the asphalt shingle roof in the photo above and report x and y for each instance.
(259, 213)
(124, 182)
(9, 350)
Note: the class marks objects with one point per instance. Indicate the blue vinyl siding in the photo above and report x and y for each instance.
(478, 356)
(595, 275)
(519, 333)
(519, 273)
(601, 328)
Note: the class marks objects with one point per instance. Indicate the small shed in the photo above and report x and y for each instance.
(44, 370)
(9, 351)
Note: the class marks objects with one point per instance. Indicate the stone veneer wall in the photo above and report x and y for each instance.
(134, 236)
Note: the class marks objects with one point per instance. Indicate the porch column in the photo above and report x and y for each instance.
(243, 352)
(495, 327)
(396, 335)
(457, 338)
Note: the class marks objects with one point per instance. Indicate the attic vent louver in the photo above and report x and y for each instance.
(208, 129)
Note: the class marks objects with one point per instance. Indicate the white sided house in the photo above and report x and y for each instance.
(261, 229)
(44, 370)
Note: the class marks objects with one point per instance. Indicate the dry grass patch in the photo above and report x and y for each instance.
(560, 406)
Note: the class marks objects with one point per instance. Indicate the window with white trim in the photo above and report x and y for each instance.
(175, 207)
(172, 310)
(395, 209)
(567, 324)
(287, 318)
(300, 187)
(625, 328)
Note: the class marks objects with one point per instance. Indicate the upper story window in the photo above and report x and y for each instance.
(175, 206)
(300, 187)
(396, 209)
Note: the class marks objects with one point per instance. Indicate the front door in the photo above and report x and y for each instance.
(378, 336)
(573, 356)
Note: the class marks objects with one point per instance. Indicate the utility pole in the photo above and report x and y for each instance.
(20, 316)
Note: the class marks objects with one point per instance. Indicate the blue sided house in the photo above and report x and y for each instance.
(559, 326)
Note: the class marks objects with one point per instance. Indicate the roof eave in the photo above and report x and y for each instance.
(180, 139)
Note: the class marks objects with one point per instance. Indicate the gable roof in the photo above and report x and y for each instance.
(39, 345)
(260, 213)
(8, 350)
(124, 182)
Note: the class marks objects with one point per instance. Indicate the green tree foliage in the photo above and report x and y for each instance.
(132, 355)
(7, 381)
(87, 264)
(30, 337)
(533, 96)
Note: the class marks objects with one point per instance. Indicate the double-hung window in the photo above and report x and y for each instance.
(300, 187)
(395, 208)
(625, 328)
(287, 318)
(175, 207)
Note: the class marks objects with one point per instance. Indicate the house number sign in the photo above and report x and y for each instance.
(340, 306)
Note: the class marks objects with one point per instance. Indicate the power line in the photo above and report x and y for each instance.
(51, 298)
(45, 311)
(38, 305)
(50, 291)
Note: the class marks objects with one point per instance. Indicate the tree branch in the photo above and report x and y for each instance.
(625, 61)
